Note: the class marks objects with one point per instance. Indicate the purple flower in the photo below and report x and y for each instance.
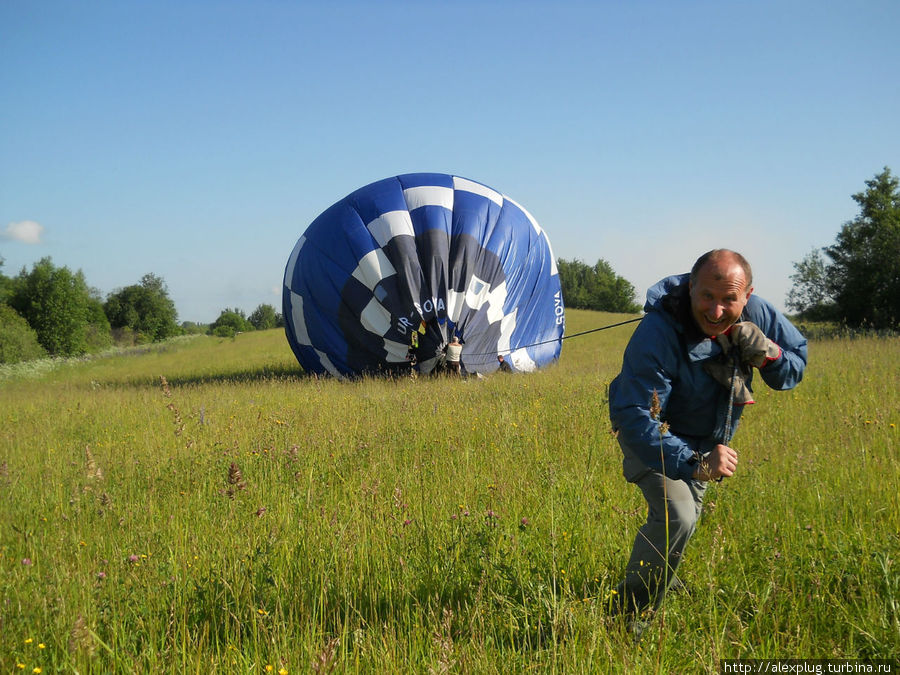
(133, 558)
(101, 575)
(26, 562)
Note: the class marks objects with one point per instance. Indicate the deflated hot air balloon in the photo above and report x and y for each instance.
(390, 274)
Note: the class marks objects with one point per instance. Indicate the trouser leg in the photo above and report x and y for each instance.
(646, 577)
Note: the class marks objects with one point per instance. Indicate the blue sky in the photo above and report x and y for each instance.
(197, 140)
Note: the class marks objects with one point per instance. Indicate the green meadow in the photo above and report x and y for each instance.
(200, 506)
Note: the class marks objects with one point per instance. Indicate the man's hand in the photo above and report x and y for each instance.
(720, 463)
(753, 345)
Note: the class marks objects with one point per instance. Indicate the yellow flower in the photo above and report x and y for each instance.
(41, 645)
(28, 641)
(37, 670)
(262, 612)
(283, 671)
(20, 666)
(269, 667)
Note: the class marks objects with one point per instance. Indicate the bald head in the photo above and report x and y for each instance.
(719, 259)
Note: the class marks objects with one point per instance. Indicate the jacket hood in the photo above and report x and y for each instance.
(662, 288)
(670, 297)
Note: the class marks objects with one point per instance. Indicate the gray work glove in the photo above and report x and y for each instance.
(721, 369)
(753, 345)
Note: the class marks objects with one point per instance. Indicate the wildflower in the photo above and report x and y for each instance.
(20, 666)
(269, 667)
(28, 641)
(101, 575)
(37, 670)
(41, 645)
(524, 522)
(283, 671)
(27, 562)
(133, 558)
(262, 612)
(406, 522)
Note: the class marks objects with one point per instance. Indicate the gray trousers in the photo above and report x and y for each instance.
(646, 577)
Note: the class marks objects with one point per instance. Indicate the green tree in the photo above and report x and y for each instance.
(6, 284)
(18, 342)
(230, 323)
(598, 287)
(55, 302)
(809, 296)
(864, 275)
(861, 283)
(264, 317)
(145, 308)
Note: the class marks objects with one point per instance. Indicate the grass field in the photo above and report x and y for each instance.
(238, 517)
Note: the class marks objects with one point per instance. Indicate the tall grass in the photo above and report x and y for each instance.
(237, 516)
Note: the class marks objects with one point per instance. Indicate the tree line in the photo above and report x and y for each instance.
(51, 311)
(595, 287)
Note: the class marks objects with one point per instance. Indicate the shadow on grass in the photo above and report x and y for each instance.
(253, 376)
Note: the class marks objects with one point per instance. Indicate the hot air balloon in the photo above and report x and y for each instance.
(399, 267)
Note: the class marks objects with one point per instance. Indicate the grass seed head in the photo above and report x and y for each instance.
(80, 638)
(655, 408)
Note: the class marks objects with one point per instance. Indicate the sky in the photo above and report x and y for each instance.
(196, 140)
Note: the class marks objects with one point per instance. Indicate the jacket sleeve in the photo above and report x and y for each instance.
(649, 364)
(786, 371)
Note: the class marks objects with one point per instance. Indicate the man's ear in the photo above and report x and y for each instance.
(749, 292)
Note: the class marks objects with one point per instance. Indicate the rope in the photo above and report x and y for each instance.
(559, 339)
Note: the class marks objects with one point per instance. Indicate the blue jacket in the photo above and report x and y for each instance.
(666, 354)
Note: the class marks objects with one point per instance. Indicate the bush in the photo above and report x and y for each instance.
(229, 323)
(18, 341)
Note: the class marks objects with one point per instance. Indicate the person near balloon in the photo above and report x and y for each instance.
(686, 376)
(454, 356)
(503, 365)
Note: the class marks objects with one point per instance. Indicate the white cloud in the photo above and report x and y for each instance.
(25, 231)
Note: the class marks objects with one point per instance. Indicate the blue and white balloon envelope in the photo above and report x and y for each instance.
(423, 253)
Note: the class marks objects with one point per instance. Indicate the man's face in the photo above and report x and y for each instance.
(718, 296)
